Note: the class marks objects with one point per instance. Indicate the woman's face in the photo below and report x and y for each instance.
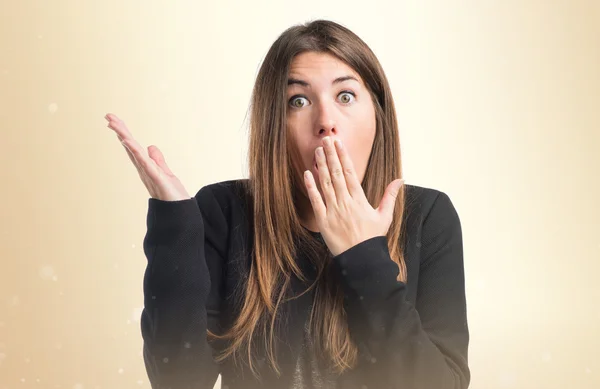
(327, 98)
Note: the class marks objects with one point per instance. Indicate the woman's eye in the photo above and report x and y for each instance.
(297, 102)
(346, 97)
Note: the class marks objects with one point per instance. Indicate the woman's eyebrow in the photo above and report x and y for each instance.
(292, 81)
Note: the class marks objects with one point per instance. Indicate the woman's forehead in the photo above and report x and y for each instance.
(319, 66)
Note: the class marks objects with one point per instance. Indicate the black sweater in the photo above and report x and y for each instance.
(411, 335)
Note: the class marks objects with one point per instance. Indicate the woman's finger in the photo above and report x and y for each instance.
(146, 164)
(124, 135)
(134, 156)
(352, 181)
(131, 157)
(118, 126)
(148, 182)
(335, 170)
(325, 178)
(314, 196)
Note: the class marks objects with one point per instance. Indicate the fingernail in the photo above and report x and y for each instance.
(327, 141)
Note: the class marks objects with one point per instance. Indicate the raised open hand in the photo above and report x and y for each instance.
(160, 181)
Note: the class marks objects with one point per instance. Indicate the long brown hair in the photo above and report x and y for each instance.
(274, 184)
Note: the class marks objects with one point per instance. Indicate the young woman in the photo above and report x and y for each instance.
(321, 270)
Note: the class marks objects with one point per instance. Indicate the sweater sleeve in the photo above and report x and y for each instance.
(411, 347)
(177, 284)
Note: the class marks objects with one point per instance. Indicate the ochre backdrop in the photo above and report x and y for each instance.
(498, 105)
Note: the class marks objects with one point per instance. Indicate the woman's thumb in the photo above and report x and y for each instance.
(388, 203)
(158, 157)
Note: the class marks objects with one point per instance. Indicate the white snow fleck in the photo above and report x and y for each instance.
(46, 272)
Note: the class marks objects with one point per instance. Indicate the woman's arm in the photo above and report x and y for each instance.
(183, 242)
(412, 347)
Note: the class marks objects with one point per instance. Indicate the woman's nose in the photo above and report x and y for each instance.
(327, 131)
(326, 124)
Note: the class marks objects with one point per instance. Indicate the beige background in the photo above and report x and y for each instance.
(498, 103)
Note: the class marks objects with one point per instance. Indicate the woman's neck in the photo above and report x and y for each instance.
(306, 214)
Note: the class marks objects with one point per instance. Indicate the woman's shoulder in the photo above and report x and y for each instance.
(420, 196)
(225, 193)
(426, 203)
(228, 200)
